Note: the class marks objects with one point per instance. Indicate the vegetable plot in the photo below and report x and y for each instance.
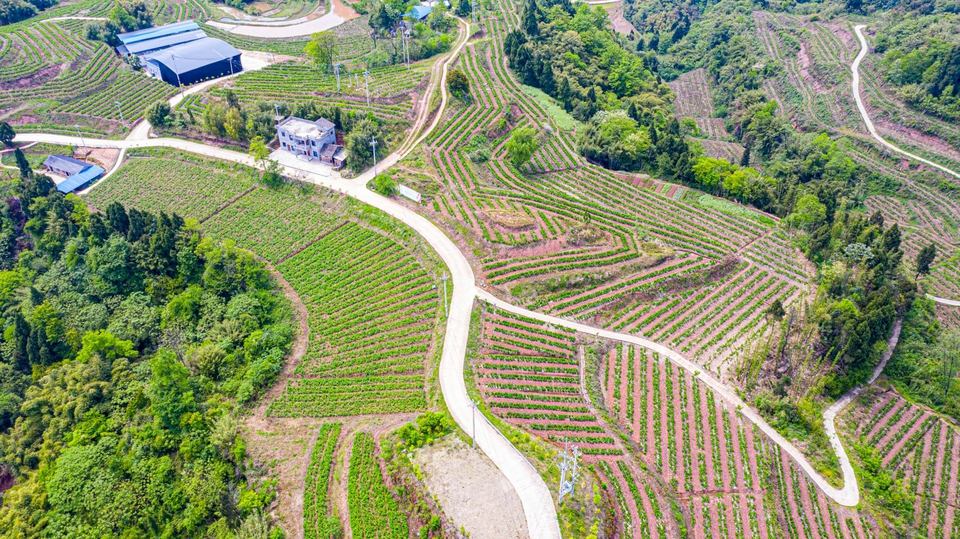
(372, 313)
(317, 523)
(374, 513)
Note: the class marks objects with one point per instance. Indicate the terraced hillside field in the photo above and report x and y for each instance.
(51, 78)
(916, 447)
(373, 307)
(728, 477)
(572, 239)
(694, 101)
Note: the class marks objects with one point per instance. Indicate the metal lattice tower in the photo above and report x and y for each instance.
(569, 471)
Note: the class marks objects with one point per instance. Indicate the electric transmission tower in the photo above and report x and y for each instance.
(569, 471)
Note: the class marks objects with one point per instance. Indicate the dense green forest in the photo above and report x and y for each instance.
(12, 11)
(130, 343)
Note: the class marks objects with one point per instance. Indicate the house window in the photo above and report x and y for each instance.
(314, 153)
(313, 142)
(284, 144)
(282, 134)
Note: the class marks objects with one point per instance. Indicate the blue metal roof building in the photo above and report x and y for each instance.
(157, 32)
(92, 172)
(202, 59)
(77, 172)
(153, 45)
(418, 12)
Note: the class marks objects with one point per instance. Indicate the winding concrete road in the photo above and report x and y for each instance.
(534, 495)
(864, 49)
(943, 301)
(849, 495)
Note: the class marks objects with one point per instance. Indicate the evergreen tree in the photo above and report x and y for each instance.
(22, 164)
(547, 82)
(745, 158)
(654, 139)
(117, 217)
(530, 18)
(137, 226)
(925, 258)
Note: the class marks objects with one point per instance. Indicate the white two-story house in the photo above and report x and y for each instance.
(313, 141)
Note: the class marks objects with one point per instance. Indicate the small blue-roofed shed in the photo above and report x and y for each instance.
(87, 175)
(418, 12)
(76, 172)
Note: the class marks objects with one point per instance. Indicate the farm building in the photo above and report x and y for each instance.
(313, 141)
(76, 172)
(418, 13)
(202, 59)
(139, 41)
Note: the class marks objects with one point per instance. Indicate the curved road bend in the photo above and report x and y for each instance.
(864, 49)
(942, 301)
(849, 495)
(534, 495)
(536, 499)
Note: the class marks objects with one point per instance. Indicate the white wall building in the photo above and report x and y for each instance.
(313, 141)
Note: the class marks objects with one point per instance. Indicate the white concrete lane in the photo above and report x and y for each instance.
(864, 49)
(849, 495)
(944, 301)
(534, 495)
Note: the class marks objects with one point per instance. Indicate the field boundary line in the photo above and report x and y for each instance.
(228, 203)
(311, 242)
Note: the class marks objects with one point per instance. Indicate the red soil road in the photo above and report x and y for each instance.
(691, 426)
(648, 511)
(608, 382)
(794, 512)
(665, 438)
(886, 417)
(738, 478)
(941, 450)
(635, 515)
(952, 495)
(825, 515)
(707, 445)
(639, 391)
(920, 422)
(722, 444)
(678, 425)
(624, 360)
(924, 469)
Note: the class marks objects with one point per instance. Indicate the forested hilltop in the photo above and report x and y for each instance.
(130, 344)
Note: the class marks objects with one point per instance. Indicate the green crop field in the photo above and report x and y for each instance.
(372, 313)
(193, 188)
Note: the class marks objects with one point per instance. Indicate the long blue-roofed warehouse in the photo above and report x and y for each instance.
(181, 53)
(196, 61)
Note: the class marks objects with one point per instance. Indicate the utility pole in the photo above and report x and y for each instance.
(336, 71)
(82, 143)
(373, 144)
(276, 110)
(403, 39)
(472, 4)
(473, 404)
(569, 472)
(444, 278)
(120, 110)
(366, 83)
